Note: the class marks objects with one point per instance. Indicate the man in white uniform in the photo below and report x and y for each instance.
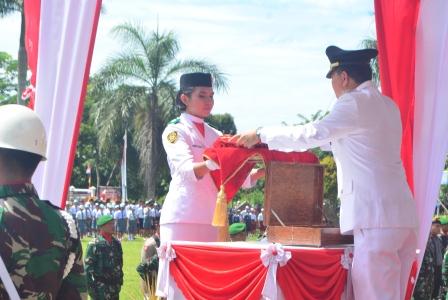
(364, 131)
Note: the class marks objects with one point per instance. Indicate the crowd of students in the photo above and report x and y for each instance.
(141, 218)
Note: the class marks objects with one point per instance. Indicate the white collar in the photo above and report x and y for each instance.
(364, 85)
(192, 118)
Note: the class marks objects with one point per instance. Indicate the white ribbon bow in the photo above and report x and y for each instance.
(346, 262)
(271, 258)
(347, 258)
(166, 254)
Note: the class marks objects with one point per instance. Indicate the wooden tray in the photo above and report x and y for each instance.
(307, 236)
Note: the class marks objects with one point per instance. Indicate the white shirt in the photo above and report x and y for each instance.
(364, 129)
(139, 212)
(119, 214)
(130, 214)
(189, 200)
(81, 215)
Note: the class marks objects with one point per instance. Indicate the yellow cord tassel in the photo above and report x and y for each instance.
(220, 215)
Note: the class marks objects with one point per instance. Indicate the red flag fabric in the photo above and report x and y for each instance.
(60, 40)
(32, 22)
(396, 22)
(237, 162)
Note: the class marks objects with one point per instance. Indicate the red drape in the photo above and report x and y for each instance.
(32, 22)
(235, 163)
(216, 272)
(396, 23)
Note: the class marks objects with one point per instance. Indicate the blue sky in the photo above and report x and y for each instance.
(272, 51)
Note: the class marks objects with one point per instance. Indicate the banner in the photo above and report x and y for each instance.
(64, 50)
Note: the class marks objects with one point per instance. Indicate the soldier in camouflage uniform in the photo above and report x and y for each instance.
(444, 237)
(39, 243)
(104, 262)
(425, 282)
(444, 294)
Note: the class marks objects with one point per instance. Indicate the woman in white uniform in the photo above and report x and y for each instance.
(187, 212)
(189, 205)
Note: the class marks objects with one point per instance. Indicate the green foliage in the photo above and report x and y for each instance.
(9, 6)
(443, 192)
(8, 78)
(222, 122)
(331, 201)
(254, 196)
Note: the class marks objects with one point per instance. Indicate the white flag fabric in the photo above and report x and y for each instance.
(66, 37)
(430, 111)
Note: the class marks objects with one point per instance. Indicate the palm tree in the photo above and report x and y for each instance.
(304, 119)
(136, 91)
(7, 7)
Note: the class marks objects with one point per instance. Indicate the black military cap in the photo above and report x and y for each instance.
(195, 79)
(339, 57)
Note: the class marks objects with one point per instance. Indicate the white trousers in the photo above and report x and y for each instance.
(382, 262)
(188, 232)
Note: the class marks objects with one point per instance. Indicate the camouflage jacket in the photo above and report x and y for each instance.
(104, 268)
(425, 282)
(444, 289)
(35, 246)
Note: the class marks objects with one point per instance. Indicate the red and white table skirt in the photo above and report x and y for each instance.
(191, 270)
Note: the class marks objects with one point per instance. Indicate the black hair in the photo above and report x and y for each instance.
(359, 73)
(20, 162)
(186, 91)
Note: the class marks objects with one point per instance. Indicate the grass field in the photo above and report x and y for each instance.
(131, 258)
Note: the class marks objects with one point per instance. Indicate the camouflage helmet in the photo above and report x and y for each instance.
(22, 130)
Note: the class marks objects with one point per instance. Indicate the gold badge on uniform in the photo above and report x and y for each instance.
(172, 137)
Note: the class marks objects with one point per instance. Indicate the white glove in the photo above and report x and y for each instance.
(211, 165)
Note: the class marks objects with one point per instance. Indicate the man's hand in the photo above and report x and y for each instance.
(247, 139)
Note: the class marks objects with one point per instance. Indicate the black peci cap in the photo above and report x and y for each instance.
(195, 79)
(339, 57)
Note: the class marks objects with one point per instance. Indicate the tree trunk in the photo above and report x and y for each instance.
(150, 172)
(97, 173)
(22, 65)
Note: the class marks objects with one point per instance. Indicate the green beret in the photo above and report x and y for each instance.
(237, 228)
(103, 220)
(443, 219)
